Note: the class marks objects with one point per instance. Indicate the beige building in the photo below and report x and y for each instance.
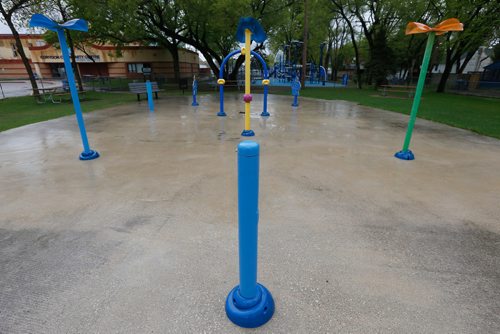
(97, 60)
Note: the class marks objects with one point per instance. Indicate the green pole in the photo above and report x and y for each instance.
(420, 88)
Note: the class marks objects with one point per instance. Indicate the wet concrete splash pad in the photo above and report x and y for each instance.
(144, 238)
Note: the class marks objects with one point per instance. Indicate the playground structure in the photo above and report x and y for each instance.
(244, 35)
(265, 81)
(287, 66)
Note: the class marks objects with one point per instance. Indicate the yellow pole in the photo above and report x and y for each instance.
(248, 39)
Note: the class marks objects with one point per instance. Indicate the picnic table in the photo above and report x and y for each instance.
(385, 89)
(55, 95)
(44, 94)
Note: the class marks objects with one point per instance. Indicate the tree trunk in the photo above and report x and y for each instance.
(466, 61)
(304, 47)
(20, 50)
(356, 55)
(450, 60)
(444, 77)
(353, 39)
(76, 70)
(234, 73)
(210, 61)
(174, 51)
(91, 59)
(327, 59)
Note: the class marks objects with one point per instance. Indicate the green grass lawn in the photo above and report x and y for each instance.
(478, 114)
(24, 110)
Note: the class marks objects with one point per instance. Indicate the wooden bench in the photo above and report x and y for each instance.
(385, 89)
(229, 83)
(140, 88)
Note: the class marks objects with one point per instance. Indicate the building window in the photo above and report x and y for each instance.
(14, 50)
(137, 67)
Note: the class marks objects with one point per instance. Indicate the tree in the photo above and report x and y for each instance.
(408, 50)
(480, 19)
(287, 28)
(304, 45)
(340, 8)
(10, 9)
(154, 16)
(337, 38)
(379, 65)
(206, 25)
(66, 13)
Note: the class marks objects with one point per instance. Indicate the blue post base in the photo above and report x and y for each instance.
(195, 104)
(250, 313)
(405, 155)
(221, 114)
(295, 101)
(265, 114)
(90, 155)
(248, 133)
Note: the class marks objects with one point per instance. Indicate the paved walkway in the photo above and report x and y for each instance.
(352, 240)
(23, 87)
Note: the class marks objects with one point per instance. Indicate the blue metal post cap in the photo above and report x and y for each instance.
(248, 133)
(39, 20)
(405, 155)
(250, 313)
(90, 155)
(248, 148)
(258, 33)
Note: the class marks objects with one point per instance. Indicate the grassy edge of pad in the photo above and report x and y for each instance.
(20, 111)
(478, 114)
(24, 110)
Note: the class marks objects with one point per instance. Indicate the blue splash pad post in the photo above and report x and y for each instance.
(264, 112)
(149, 91)
(295, 92)
(39, 20)
(345, 79)
(195, 92)
(249, 304)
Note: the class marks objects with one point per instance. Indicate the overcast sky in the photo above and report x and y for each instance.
(5, 30)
